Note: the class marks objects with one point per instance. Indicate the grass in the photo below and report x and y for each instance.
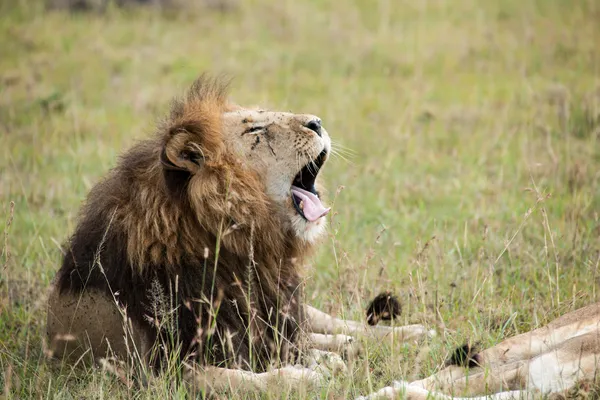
(474, 191)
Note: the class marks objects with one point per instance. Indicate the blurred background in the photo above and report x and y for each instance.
(467, 180)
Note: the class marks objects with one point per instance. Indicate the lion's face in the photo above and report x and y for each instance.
(245, 169)
(286, 151)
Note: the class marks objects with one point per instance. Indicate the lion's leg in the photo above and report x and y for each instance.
(405, 390)
(562, 367)
(531, 344)
(477, 382)
(341, 344)
(505, 383)
(555, 370)
(549, 359)
(215, 379)
(320, 322)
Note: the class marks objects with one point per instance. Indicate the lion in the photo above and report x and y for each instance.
(193, 248)
(554, 359)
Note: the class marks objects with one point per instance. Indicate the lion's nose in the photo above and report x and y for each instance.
(315, 126)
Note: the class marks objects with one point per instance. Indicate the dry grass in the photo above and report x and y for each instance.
(474, 191)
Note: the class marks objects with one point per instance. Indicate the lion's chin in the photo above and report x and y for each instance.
(306, 230)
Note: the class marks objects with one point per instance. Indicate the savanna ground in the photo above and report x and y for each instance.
(472, 188)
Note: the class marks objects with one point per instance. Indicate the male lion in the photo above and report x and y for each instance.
(198, 237)
(549, 360)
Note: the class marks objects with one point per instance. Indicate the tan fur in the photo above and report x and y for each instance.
(551, 359)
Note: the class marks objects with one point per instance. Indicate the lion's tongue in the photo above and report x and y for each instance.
(312, 207)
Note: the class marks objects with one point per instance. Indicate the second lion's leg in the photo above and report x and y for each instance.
(476, 382)
(404, 390)
(531, 344)
(320, 322)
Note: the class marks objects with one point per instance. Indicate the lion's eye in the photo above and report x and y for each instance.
(254, 129)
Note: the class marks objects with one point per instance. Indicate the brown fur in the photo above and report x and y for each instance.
(181, 214)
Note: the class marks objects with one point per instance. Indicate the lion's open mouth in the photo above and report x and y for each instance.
(304, 194)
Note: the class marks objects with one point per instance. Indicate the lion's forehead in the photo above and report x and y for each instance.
(245, 116)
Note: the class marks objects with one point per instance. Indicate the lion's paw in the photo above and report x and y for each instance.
(326, 363)
(350, 348)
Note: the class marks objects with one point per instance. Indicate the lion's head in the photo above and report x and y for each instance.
(287, 152)
(257, 168)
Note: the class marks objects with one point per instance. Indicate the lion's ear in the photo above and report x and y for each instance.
(181, 153)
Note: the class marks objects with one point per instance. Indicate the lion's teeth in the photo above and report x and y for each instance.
(301, 205)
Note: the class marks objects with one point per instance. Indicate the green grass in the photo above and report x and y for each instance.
(474, 191)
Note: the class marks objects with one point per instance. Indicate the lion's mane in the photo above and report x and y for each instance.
(208, 243)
